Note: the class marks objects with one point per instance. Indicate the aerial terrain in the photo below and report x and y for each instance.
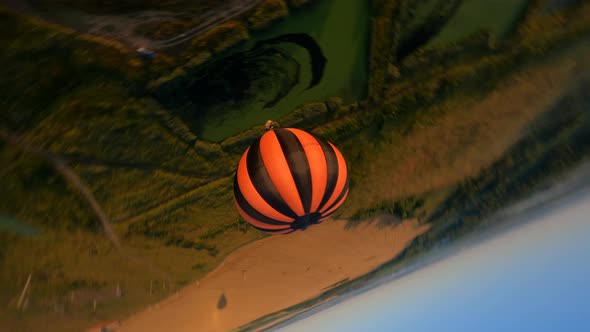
(122, 124)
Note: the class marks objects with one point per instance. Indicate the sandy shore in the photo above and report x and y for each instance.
(274, 273)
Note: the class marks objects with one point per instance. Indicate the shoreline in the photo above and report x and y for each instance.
(268, 276)
(565, 190)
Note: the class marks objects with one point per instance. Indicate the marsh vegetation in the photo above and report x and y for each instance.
(428, 115)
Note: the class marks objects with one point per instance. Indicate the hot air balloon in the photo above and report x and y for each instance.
(289, 179)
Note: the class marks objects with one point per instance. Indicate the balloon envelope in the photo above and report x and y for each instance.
(289, 179)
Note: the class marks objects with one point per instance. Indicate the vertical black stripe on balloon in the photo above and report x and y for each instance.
(298, 165)
(251, 211)
(326, 215)
(340, 196)
(262, 182)
(332, 166)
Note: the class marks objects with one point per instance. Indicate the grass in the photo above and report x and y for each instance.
(496, 16)
(554, 142)
(447, 144)
(164, 29)
(221, 37)
(168, 192)
(45, 63)
(127, 6)
(88, 267)
(82, 100)
(266, 13)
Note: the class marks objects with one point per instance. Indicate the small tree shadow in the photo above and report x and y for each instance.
(222, 302)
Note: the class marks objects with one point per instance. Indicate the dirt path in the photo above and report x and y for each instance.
(275, 273)
(123, 27)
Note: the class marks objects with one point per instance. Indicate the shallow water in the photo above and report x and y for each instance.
(15, 226)
(341, 28)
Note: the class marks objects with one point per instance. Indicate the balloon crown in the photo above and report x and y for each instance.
(305, 221)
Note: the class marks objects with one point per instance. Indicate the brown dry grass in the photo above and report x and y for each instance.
(470, 135)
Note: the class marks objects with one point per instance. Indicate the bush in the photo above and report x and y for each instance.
(266, 13)
(207, 149)
(164, 29)
(221, 37)
(299, 3)
(404, 208)
(333, 104)
(308, 112)
(239, 142)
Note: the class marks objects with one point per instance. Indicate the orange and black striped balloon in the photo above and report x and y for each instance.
(288, 180)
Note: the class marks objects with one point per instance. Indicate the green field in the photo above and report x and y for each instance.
(496, 16)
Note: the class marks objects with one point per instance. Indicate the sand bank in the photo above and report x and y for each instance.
(274, 273)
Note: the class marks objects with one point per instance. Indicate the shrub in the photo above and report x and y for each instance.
(266, 13)
(221, 37)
